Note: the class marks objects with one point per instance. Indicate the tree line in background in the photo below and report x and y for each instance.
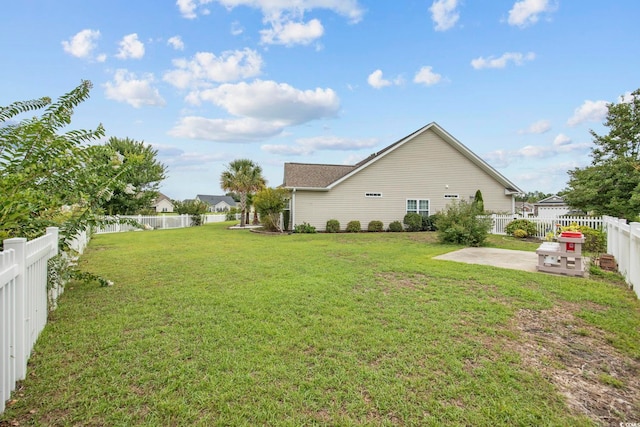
(610, 185)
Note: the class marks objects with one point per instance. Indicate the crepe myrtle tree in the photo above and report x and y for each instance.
(242, 176)
(49, 177)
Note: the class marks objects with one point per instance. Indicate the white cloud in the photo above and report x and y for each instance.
(225, 130)
(236, 28)
(561, 145)
(274, 102)
(261, 109)
(349, 8)
(130, 47)
(290, 33)
(126, 87)
(376, 80)
(501, 62)
(526, 12)
(307, 146)
(427, 76)
(541, 126)
(188, 7)
(206, 68)
(561, 140)
(589, 111)
(176, 42)
(627, 98)
(444, 14)
(179, 160)
(82, 44)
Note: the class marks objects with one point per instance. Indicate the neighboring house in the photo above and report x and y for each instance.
(217, 203)
(552, 207)
(163, 204)
(422, 173)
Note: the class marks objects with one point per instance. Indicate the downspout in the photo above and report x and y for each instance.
(292, 220)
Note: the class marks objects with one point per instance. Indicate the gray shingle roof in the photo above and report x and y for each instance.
(214, 200)
(316, 176)
(310, 175)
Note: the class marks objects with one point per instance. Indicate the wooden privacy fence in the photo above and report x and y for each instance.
(545, 225)
(23, 304)
(623, 242)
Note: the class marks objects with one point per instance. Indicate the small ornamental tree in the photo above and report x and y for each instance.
(478, 202)
(269, 203)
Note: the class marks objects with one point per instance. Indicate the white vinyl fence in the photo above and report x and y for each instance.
(545, 225)
(153, 222)
(23, 304)
(623, 242)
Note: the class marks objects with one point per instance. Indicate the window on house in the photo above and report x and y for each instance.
(372, 194)
(420, 206)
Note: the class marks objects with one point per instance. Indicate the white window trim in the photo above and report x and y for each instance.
(418, 200)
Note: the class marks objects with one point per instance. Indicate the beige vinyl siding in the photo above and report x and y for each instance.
(419, 169)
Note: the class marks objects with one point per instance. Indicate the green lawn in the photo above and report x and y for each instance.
(209, 326)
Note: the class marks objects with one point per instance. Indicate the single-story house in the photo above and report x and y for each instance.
(217, 203)
(421, 172)
(552, 206)
(163, 204)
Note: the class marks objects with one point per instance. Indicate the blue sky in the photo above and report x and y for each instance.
(205, 82)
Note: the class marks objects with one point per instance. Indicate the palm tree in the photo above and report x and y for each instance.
(242, 176)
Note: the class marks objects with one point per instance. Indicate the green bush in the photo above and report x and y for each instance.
(521, 224)
(333, 226)
(413, 221)
(353, 227)
(459, 224)
(231, 214)
(595, 241)
(520, 233)
(395, 226)
(375, 226)
(304, 228)
(429, 222)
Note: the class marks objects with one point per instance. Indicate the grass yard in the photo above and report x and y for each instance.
(206, 326)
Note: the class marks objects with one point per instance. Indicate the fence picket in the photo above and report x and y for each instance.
(23, 304)
(545, 225)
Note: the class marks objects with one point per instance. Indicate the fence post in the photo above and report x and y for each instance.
(634, 256)
(20, 352)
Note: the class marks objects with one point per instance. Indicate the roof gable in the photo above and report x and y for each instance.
(325, 177)
(554, 200)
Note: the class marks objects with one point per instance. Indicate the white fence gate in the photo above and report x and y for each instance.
(623, 242)
(23, 304)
